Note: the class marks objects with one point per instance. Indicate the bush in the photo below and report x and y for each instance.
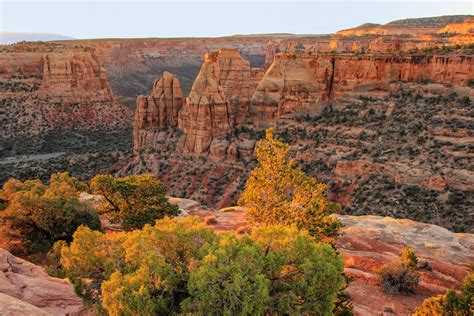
(133, 201)
(182, 266)
(409, 258)
(451, 303)
(397, 277)
(230, 280)
(37, 215)
(278, 192)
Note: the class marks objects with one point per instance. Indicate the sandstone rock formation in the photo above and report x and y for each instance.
(238, 81)
(218, 99)
(11, 306)
(129, 61)
(270, 52)
(368, 242)
(45, 87)
(304, 81)
(292, 83)
(406, 26)
(207, 112)
(75, 76)
(30, 284)
(158, 110)
(463, 27)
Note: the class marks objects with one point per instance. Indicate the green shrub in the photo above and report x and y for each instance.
(133, 201)
(37, 215)
(451, 303)
(182, 266)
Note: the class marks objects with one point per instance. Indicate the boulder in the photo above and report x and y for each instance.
(29, 283)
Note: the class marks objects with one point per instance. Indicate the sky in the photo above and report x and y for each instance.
(195, 18)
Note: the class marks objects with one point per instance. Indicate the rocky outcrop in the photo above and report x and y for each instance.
(207, 112)
(218, 99)
(75, 76)
(304, 81)
(372, 73)
(292, 83)
(464, 27)
(157, 111)
(11, 306)
(369, 242)
(406, 27)
(270, 52)
(31, 285)
(238, 81)
(54, 87)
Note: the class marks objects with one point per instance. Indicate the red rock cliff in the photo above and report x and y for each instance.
(158, 110)
(51, 86)
(218, 99)
(303, 81)
(75, 76)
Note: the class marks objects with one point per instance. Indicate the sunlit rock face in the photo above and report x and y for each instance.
(218, 99)
(26, 289)
(369, 242)
(297, 81)
(157, 111)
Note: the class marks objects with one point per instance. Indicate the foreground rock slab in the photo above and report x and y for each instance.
(26, 289)
(369, 242)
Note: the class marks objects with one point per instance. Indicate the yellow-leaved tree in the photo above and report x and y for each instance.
(278, 192)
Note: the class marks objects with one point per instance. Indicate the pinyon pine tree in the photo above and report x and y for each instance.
(278, 192)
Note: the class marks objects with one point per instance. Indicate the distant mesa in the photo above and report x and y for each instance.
(7, 38)
(407, 26)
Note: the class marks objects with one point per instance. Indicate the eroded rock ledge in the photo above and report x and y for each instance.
(30, 284)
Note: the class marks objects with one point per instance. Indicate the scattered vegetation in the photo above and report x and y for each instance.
(400, 276)
(210, 220)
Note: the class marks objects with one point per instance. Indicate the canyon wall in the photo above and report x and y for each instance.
(45, 87)
(304, 81)
(132, 64)
(388, 123)
(228, 90)
(74, 76)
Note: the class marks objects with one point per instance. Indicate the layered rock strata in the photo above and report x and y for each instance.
(158, 110)
(304, 81)
(33, 291)
(218, 100)
(369, 242)
(45, 87)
